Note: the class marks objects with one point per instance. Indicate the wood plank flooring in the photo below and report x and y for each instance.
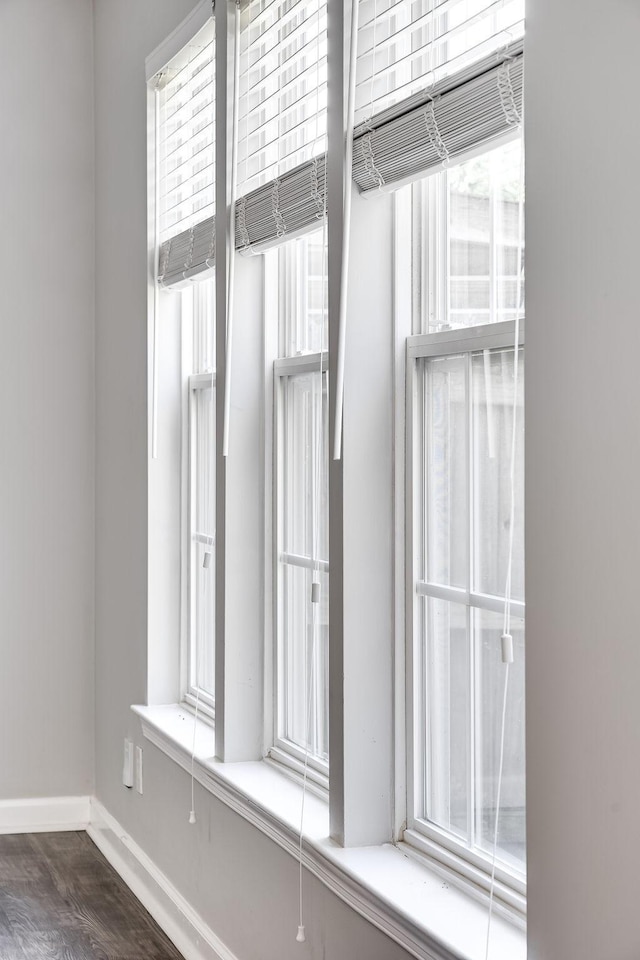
(61, 900)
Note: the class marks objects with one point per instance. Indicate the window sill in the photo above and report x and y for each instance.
(410, 901)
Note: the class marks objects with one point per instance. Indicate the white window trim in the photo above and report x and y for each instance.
(510, 887)
(419, 904)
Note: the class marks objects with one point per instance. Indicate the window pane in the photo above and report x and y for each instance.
(493, 386)
(204, 340)
(508, 191)
(511, 822)
(305, 662)
(306, 457)
(303, 300)
(468, 225)
(202, 653)
(283, 88)
(186, 166)
(446, 675)
(406, 45)
(445, 468)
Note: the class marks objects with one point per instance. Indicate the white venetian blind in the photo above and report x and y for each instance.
(407, 45)
(283, 88)
(448, 82)
(187, 136)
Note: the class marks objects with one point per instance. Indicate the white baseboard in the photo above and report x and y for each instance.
(44, 814)
(184, 927)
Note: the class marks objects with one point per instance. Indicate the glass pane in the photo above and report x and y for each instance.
(491, 677)
(406, 45)
(202, 654)
(304, 472)
(305, 662)
(508, 190)
(303, 304)
(493, 387)
(446, 695)
(477, 204)
(469, 230)
(445, 414)
(306, 467)
(204, 340)
(283, 88)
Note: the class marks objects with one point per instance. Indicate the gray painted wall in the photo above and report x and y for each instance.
(46, 398)
(583, 460)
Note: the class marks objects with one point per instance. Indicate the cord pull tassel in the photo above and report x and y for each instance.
(507, 648)
(315, 592)
(206, 560)
(300, 937)
(192, 817)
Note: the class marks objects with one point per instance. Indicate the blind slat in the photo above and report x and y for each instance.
(444, 122)
(186, 165)
(404, 42)
(282, 65)
(438, 127)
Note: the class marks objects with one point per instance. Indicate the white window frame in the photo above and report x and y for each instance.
(422, 835)
(284, 750)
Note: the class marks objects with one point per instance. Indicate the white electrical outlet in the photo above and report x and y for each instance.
(127, 763)
(139, 769)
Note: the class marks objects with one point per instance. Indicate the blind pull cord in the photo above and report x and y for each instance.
(346, 233)
(506, 640)
(232, 232)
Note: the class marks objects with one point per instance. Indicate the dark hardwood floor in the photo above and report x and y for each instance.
(61, 900)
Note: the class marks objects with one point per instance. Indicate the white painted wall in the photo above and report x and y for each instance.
(583, 460)
(46, 398)
(243, 885)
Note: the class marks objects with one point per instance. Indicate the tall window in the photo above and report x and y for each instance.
(199, 351)
(184, 204)
(467, 505)
(302, 549)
